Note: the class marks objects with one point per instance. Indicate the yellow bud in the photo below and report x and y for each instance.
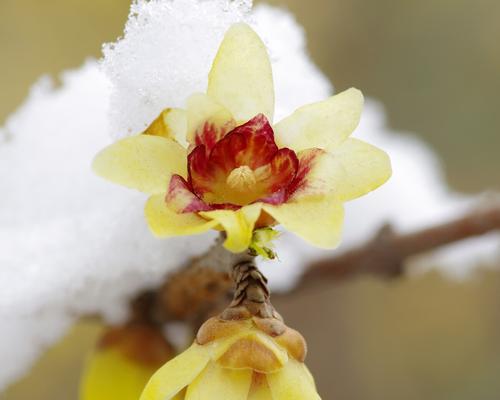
(252, 358)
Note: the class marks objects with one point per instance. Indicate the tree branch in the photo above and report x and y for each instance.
(385, 254)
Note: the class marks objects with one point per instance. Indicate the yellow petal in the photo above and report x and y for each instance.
(241, 78)
(208, 121)
(220, 383)
(171, 124)
(260, 388)
(107, 367)
(323, 125)
(317, 220)
(238, 225)
(142, 162)
(350, 171)
(357, 168)
(308, 374)
(292, 383)
(176, 374)
(164, 222)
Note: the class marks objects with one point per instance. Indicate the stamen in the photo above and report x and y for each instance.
(242, 179)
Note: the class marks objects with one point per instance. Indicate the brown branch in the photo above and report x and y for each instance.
(386, 253)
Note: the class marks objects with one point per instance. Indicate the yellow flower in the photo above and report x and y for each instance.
(124, 361)
(220, 164)
(256, 359)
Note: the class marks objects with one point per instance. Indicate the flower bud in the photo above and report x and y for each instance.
(253, 358)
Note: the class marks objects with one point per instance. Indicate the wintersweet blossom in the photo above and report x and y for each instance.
(220, 164)
(238, 360)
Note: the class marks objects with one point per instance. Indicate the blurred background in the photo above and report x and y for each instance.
(435, 65)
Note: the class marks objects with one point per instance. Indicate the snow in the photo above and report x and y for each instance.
(168, 47)
(73, 244)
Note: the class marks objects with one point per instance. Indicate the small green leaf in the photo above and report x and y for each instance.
(262, 243)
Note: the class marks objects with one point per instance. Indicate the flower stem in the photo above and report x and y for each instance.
(251, 295)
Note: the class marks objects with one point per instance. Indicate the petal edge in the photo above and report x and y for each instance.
(358, 168)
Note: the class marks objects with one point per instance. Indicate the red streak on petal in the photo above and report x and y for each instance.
(181, 198)
(282, 172)
(306, 163)
(200, 177)
(209, 133)
(284, 167)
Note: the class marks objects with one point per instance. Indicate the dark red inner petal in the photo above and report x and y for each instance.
(259, 139)
(200, 178)
(224, 154)
(284, 166)
(250, 145)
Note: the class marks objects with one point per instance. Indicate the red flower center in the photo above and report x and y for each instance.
(243, 167)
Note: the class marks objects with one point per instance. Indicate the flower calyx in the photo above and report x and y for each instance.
(256, 343)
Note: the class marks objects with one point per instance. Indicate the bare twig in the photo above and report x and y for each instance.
(385, 254)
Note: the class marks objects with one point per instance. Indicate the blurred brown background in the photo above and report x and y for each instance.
(435, 64)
